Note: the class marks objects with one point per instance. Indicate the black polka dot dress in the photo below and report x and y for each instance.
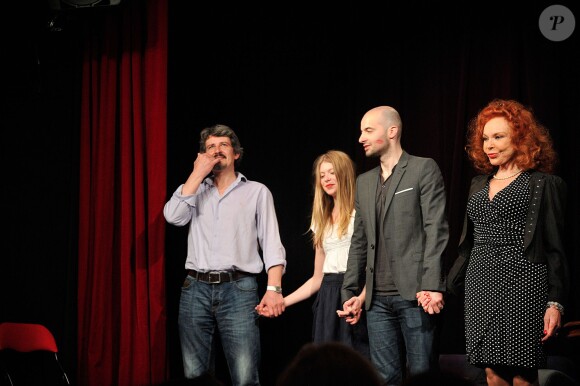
(505, 294)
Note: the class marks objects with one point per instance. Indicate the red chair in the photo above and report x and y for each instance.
(21, 346)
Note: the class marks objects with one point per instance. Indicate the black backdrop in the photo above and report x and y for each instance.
(293, 82)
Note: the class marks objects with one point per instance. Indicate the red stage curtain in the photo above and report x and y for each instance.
(121, 292)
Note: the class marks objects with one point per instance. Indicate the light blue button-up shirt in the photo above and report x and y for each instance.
(226, 232)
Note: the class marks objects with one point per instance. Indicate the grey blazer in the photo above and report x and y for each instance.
(415, 229)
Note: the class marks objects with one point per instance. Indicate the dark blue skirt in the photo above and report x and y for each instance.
(328, 327)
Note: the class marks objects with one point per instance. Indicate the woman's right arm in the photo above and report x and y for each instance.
(310, 286)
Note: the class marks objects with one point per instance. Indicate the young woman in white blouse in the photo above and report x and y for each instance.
(332, 223)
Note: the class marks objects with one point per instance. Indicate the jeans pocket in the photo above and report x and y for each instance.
(247, 284)
(186, 283)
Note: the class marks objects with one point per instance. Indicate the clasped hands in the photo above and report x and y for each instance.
(432, 302)
(271, 306)
(351, 310)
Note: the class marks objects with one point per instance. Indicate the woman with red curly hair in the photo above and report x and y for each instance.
(517, 276)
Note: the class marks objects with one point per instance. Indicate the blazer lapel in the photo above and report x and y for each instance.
(371, 202)
(396, 178)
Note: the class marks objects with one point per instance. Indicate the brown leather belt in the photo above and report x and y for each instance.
(216, 277)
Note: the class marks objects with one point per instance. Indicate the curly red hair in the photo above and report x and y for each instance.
(533, 146)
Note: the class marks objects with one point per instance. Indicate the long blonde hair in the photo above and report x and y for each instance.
(322, 205)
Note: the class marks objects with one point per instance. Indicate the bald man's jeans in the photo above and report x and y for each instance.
(399, 327)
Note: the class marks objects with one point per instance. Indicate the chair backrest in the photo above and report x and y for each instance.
(25, 349)
(26, 337)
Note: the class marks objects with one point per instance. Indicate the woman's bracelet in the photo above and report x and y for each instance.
(557, 306)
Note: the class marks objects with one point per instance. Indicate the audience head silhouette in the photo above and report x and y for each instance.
(329, 364)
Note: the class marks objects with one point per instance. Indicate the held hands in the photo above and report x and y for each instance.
(351, 310)
(432, 302)
(272, 305)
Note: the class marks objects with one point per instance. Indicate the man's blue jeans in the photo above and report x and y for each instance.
(397, 326)
(228, 308)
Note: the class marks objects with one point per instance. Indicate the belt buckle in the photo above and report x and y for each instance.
(214, 274)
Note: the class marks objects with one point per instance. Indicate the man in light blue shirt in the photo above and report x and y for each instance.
(230, 220)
